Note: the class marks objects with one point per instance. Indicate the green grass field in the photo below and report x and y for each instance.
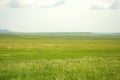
(59, 56)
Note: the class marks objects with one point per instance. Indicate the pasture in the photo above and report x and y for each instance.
(59, 56)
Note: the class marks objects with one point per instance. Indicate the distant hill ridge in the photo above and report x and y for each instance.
(4, 30)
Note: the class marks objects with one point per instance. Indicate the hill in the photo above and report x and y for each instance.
(4, 30)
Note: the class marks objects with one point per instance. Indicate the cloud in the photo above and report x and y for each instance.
(96, 4)
(18, 3)
(116, 5)
(106, 4)
(31, 3)
(56, 4)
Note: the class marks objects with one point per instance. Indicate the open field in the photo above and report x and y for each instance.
(59, 56)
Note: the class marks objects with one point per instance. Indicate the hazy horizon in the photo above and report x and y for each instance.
(8, 30)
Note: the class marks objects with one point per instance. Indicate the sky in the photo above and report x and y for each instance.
(60, 15)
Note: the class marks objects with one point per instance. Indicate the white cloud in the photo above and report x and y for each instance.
(95, 4)
(116, 5)
(31, 3)
(106, 4)
(19, 3)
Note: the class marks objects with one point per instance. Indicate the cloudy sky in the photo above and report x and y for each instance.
(60, 15)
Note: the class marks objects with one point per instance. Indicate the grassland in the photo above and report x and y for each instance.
(59, 56)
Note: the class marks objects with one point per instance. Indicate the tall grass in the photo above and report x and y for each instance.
(88, 68)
